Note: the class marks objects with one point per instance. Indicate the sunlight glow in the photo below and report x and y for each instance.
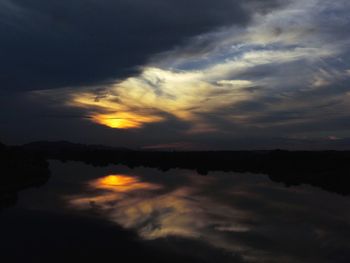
(124, 120)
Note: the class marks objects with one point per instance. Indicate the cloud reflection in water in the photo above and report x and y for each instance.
(244, 214)
(156, 212)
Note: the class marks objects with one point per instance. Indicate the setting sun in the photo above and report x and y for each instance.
(124, 120)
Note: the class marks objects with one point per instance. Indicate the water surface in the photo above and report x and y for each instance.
(98, 213)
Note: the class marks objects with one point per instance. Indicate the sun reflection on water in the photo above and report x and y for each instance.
(117, 180)
(122, 183)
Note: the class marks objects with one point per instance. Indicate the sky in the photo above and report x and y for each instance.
(176, 74)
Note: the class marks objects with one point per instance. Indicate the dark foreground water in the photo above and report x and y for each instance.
(117, 214)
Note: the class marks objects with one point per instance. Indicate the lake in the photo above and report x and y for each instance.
(115, 213)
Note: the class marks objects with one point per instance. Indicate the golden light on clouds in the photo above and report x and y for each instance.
(156, 93)
(240, 81)
(190, 96)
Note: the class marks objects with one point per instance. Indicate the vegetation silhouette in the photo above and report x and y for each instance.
(19, 170)
(329, 170)
(27, 165)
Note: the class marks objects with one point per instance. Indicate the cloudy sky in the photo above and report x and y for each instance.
(199, 74)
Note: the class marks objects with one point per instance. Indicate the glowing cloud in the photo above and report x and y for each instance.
(147, 98)
(248, 75)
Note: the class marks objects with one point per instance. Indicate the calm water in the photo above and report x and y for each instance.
(114, 213)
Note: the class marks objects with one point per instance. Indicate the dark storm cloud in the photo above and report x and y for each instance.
(50, 44)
